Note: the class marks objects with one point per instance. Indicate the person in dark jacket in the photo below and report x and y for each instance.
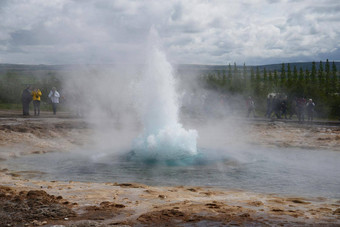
(26, 99)
(293, 109)
(277, 107)
(269, 106)
(284, 108)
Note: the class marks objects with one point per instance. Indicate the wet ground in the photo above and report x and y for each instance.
(29, 201)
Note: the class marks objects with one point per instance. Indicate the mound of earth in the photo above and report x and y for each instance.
(33, 206)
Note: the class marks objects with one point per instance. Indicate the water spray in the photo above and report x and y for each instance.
(163, 136)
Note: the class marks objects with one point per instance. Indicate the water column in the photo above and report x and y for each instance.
(163, 136)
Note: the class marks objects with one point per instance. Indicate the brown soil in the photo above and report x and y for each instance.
(107, 204)
(306, 136)
(24, 136)
(34, 206)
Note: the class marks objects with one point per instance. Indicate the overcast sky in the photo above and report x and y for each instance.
(191, 31)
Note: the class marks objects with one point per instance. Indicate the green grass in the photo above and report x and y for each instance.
(10, 106)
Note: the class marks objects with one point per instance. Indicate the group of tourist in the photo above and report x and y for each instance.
(28, 95)
(278, 106)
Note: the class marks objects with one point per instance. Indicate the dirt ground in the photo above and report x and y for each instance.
(286, 134)
(27, 202)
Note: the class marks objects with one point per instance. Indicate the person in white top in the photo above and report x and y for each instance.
(54, 96)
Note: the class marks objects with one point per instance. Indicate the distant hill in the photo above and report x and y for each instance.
(45, 69)
(19, 67)
(303, 65)
(271, 67)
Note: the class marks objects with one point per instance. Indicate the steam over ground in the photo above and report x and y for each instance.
(151, 106)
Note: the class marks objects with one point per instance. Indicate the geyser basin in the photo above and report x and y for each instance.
(284, 171)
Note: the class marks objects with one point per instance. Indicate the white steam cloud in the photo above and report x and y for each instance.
(132, 107)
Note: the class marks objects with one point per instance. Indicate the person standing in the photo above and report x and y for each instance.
(284, 108)
(277, 107)
(251, 106)
(26, 98)
(310, 109)
(269, 106)
(301, 104)
(293, 109)
(54, 96)
(36, 94)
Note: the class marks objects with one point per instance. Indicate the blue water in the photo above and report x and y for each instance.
(280, 171)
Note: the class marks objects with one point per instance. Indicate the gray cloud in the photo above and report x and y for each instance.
(193, 31)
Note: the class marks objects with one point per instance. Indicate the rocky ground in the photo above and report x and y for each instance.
(286, 134)
(27, 202)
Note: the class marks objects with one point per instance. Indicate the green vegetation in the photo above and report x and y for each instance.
(12, 83)
(321, 84)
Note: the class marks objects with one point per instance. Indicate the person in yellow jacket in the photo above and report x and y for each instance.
(36, 94)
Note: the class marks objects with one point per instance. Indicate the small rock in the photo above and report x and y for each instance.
(192, 189)
(337, 211)
(298, 201)
(36, 223)
(212, 205)
(162, 196)
(256, 203)
(277, 210)
(245, 215)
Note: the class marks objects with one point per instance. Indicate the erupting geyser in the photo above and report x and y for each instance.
(163, 138)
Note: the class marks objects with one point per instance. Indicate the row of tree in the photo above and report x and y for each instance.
(321, 83)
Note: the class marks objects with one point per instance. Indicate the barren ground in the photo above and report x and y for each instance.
(27, 202)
